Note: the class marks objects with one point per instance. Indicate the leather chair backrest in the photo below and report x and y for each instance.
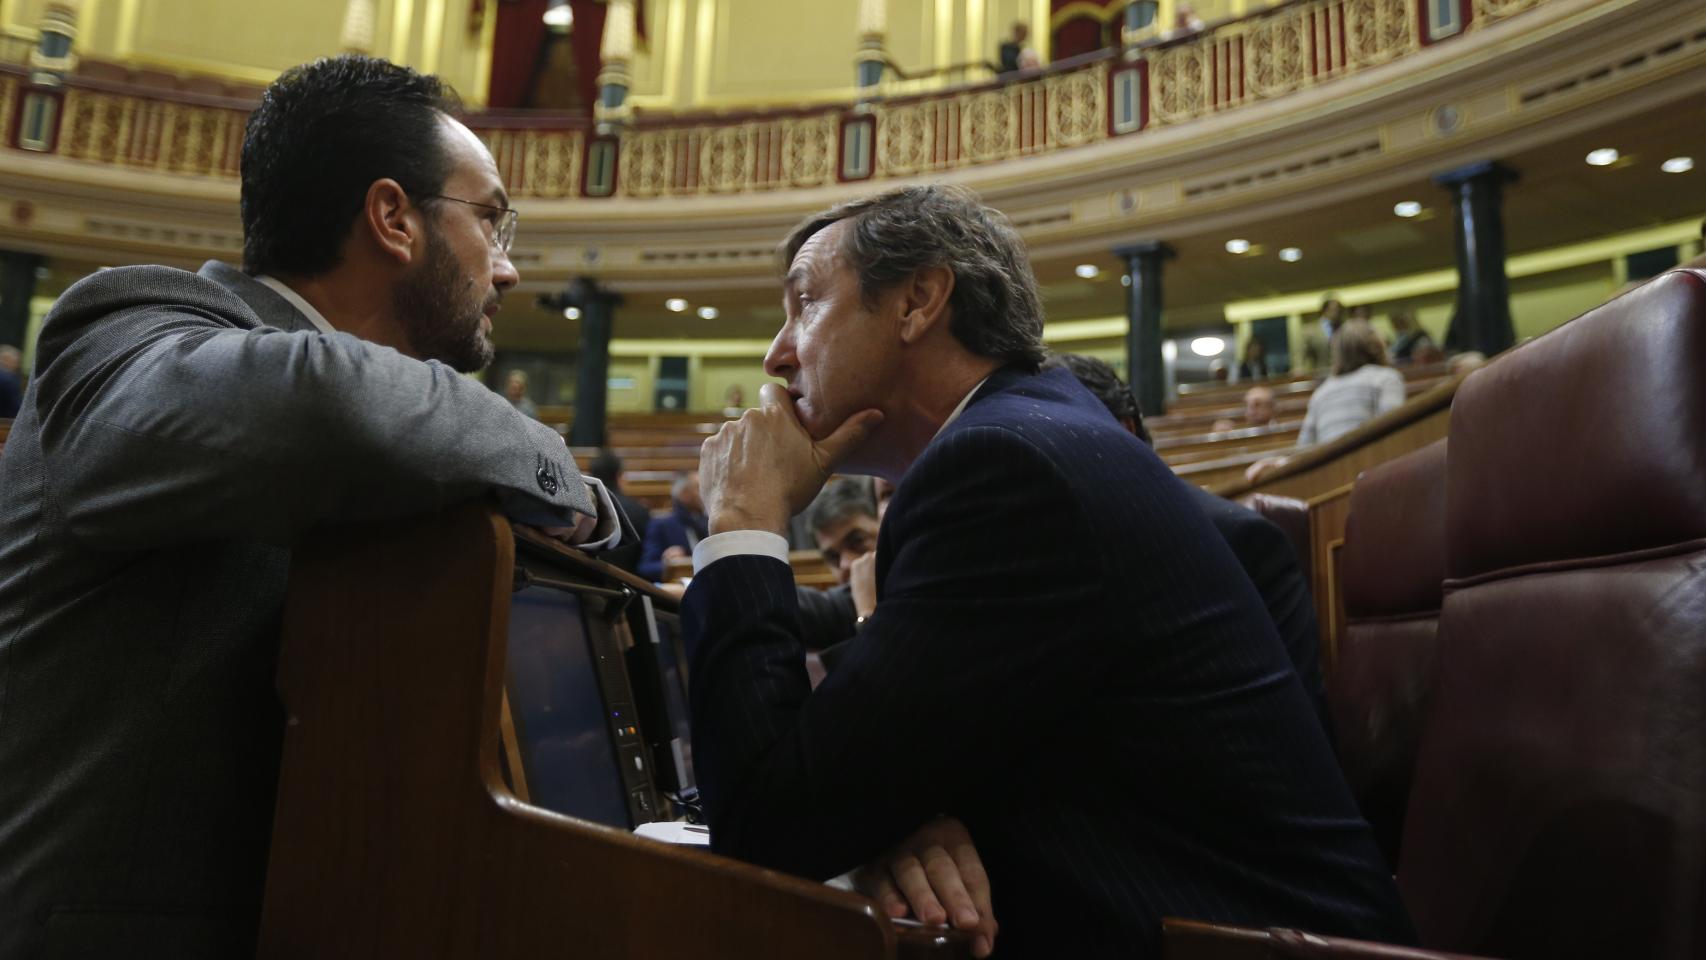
(1392, 566)
(1291, 515)
(1559, 806)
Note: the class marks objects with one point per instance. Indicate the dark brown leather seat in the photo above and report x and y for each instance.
(1392, 566)
(1559, 806)
(1291, 515)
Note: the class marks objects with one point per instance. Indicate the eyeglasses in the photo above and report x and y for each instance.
(503, 229)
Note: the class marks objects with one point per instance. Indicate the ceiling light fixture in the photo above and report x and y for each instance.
(571, 313)
(1603, 157)
(1407, 208)
(675, 304)
(1291, 254)
(1677, 165)
(707, 313)
(1208, 346)
(558, 14)
(1237, 246)
(1088, 271)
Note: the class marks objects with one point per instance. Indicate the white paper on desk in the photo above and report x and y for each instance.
(676, 832)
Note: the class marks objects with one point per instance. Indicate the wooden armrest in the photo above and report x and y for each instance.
(1195, 940)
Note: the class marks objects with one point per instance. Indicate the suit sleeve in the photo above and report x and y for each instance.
(961, 664)
(167, 423)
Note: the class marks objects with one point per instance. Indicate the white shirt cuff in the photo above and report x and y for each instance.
(608, 533)
(736, 543)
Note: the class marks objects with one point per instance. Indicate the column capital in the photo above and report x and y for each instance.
(1475, 171)
(1145, 248)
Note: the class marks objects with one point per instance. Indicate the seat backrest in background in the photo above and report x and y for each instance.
(1291, 515)
(1391, 568)
(1559, 805)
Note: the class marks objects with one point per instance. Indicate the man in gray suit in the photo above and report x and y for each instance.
(181, 430)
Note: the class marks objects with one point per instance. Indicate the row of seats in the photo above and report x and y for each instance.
(654, 447)
(1520, 684)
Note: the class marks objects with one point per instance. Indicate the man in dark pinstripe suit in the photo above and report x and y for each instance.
(1065, 655)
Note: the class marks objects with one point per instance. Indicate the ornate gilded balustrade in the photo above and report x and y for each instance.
(1272, 54)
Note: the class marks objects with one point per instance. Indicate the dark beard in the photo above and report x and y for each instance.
(440, 313)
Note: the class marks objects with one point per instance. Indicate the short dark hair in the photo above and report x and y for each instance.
(324, 132)
(840, 499)
(606, 466)
(1100, 379)
(998, 312)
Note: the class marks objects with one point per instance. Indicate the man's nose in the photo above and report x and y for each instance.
(779, 360)
(504, 274)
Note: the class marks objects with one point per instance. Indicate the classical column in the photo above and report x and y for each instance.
(52, 58)
(357, 34)
(1482, 318)
(592, 367)
(616, 51)
(1143, 314)
(870, 60)
(17, 286)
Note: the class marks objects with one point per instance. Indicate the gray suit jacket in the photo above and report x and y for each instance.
(180, 431)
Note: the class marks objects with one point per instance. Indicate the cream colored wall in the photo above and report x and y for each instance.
(634, 399)
(717, 374)
(253, 42)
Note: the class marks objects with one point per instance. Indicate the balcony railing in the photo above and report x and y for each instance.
(1278, 52)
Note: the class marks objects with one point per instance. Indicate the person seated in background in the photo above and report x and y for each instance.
(11, 384)
(672, 537)
(843, 520)
(1408, 337)
(1317, 340)
(1038, 565)
(606, 465)
(1262, 548)
(182, 432)
(1185, 22)
(1360, 388)
(1254, 366)
(515, 391)
(1258, 411)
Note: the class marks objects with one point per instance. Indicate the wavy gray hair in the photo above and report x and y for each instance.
(997, 311)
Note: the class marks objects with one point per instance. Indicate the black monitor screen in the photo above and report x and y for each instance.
(559, 714)
(672, 676)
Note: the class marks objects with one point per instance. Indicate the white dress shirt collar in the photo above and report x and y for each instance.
(295, 299)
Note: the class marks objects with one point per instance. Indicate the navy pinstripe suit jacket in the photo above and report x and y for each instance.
(1067, 657)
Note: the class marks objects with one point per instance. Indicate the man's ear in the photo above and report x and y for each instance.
(924, 302)
(392, 220)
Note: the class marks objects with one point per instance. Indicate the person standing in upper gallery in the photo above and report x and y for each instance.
(1254, 366)
(1317, 340)
(1013, 49)
(181, 431)
(11, 384)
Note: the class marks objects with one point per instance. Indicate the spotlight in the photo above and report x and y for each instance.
(571, 313)
(1677, 165)
(1208, 346)
(1237, 246)
(1603, 157)
(675, 304)
(1291, 254)
(708, 313)
(1407, 209)
(1088, 271)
